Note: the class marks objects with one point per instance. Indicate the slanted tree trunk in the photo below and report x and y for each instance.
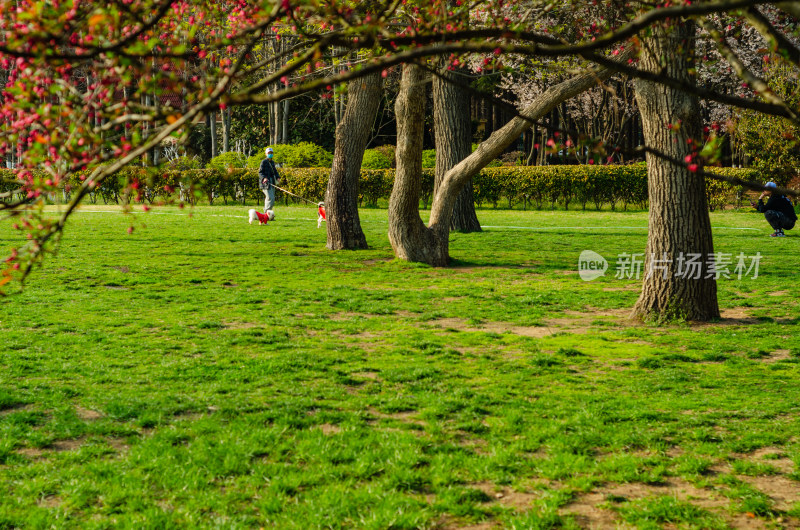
(409, 237)
(411, 240)
(679, 225)
(352, 135)
(452, 128)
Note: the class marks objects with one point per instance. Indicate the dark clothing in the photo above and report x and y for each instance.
(778, 221)
(267, 174)
(778, 212)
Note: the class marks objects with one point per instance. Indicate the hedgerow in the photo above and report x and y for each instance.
(532, 186)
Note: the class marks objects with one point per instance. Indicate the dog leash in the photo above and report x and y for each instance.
(293, 195)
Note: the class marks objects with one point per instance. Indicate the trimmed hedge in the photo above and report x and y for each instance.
(533, 186)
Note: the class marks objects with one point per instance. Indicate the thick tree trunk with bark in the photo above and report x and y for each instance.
(352, 135)
(452, 127)
(679, 225)
(411, 240)
(409, 237)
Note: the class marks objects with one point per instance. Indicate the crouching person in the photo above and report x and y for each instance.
(778, 210)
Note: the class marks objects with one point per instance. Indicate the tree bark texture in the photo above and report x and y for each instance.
(352, 134)
(213, 124)
(411, 240)
(679, 225)
(452, 128)
(285, 135)
(226, 130)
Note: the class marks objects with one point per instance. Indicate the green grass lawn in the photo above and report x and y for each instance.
(202, 372)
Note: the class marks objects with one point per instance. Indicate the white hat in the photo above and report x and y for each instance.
(268, 150)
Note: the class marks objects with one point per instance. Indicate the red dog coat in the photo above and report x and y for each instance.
(262, 218)
(321, 212)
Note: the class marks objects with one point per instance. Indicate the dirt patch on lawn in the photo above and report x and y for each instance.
(732, 316)
(329, 428)
(240, 325)
(345, 315)
(784, 491)
(778, 355)
(572, 322)
(409, 418)
(585, 508)
(461, 324)
(87, 414)
(518, 500)
(590, 512)
(55, 447)
(372, 376)
(376, 260)
(776, 458)
(19, 407)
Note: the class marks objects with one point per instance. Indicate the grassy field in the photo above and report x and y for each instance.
(205, 373)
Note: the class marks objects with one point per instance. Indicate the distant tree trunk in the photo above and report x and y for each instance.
(273, 133)
(679, 225)
(411, 240)
(226, 130)
(285, 135)
(214, 148)
(352, 135)
(452, 128)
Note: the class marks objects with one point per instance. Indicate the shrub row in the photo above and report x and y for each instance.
(532, 186)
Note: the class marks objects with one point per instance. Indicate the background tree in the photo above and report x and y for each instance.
(771, 142)
(352, 135)
(453, 136)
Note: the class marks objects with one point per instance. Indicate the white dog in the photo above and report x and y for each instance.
(262, 218)
(321, 212)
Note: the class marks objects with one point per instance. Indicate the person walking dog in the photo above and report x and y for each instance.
(268, 178)
(778, 210)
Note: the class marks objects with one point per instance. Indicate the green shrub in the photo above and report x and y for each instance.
(374, 159)
(536, 186)
(304, 154)
(429, 158)
(388, 151)
(184, 163)
(227, 160)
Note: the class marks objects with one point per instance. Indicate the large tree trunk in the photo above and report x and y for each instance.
(679, 225)
(452, 127)
(411, 240)
(409, 237)
(352, 135)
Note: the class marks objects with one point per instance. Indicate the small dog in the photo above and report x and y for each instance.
(262, 218)
(321, 212)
